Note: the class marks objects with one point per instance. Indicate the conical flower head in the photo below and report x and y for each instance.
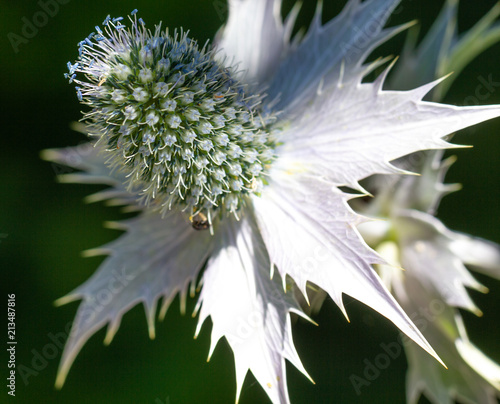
(173, 118)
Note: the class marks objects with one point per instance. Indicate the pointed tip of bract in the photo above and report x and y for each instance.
(115, 225)
(60, 379)
(302, 288)
(93, 198)
(95, 252)
(239, 385)
(152, 332)
(451, 188)
(319, 10)
(65, 300)
(477, 311)
(303, 315)
(71, 178)
(428, 348)
(425, 89)
(308, 377)
(49, 155)
(150, 311)
(78, 127)
(213, 344)
(410, 24)
(483, 289)
(64, 367)
(111, 331)
(183, 294)
(343, 310)
(380, 80)
(199, 324)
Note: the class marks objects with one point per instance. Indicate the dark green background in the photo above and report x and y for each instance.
(45, 225)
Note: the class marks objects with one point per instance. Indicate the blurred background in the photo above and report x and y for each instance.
(44, 226)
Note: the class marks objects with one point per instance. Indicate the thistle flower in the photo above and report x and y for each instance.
(234, 154)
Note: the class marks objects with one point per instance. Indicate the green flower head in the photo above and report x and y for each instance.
(173, 118)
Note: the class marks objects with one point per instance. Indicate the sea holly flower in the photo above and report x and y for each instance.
(233, 154)
(435, 278)
(434, 282)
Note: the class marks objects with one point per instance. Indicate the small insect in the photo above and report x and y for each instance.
(200, 221)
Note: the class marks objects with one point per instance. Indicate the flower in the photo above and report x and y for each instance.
(233, 155)
(433, 286)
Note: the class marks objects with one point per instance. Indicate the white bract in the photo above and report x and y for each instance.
(234, 155)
